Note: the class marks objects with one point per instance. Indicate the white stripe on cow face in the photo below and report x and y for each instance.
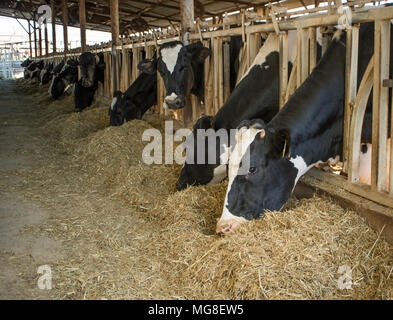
(228, 221)
(169, 56)
(114, 100)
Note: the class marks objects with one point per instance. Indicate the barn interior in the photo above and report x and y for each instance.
(77, 197)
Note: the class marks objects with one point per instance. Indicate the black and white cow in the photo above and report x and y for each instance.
(306, 131)
(25, 64)
(92, 68)
(255, 96)
(46, 73)
(181, 67)
(136, 100)
(64, 79)
(33, 70)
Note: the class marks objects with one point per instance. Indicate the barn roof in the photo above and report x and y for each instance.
(156, 13)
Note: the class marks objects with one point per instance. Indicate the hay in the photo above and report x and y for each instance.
(129, 234)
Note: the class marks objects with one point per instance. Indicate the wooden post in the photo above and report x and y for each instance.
(39, 41)
(82, 23)
(35, 39)
(65, 25)
(383, 31)
(53, 21)
(30, 46)
(283, 47)
(313, 48)
(114, 11)
(351, 76)
(305, 55)
(46, 38)
(187, 25)
(227, 70)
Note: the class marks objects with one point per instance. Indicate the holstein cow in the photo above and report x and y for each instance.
(181, 67)
(25, 64)
(64, 79)
(306, 131)
(137, 99)
(92, 68)
(255, 96)
(46, 73)
(34, 69)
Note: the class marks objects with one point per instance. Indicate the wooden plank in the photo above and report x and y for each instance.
(283, 48)
(350, 88)
(220, 75)
(207, 84)
(305, 55)
(356, 188)
(226, 70)
(313, 48)
(216, 77)
(383, 108)
(299, 58)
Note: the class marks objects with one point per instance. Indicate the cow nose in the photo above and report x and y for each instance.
(180, 185)
(174, 103)
(227, 226)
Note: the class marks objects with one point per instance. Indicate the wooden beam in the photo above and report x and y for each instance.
(39, 41)
(82, 23)
(114, 10)
(46, 38)
(35, 39)
(30, 46)
(53, 21)
(65, 25)
(283, 48)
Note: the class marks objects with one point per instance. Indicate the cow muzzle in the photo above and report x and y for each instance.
(227, 226)
(174, 102)
(86, 82)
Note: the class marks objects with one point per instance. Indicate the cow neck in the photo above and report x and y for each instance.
(313, 116)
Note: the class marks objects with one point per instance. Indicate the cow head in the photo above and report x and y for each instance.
(46, 73)
(195, 173)
(125, 107)
(92, 68)
(261, 174)
(83, 96)
(181, 68)
(26, 63)
(64, 79)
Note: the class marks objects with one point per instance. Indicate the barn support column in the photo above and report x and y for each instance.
(35, 38)
(65, 25)
(30, 46)
(187, 25)
(53, 21)
(114, 11)
(46, 38)
(39, 41)
(82, 23)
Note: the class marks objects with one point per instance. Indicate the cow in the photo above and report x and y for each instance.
(92, 68)
(307, 130)
(64, 79)
(137, 99)
(46, 73)
(33, 69)
(255, 96)
(25, 64)
(181, 67)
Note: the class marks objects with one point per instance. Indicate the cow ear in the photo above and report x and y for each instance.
(282, 143)
(201, 54)
(148, 66)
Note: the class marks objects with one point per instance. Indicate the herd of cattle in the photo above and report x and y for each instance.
(283, 144)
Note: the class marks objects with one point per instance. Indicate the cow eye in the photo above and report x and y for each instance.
(252, 170)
